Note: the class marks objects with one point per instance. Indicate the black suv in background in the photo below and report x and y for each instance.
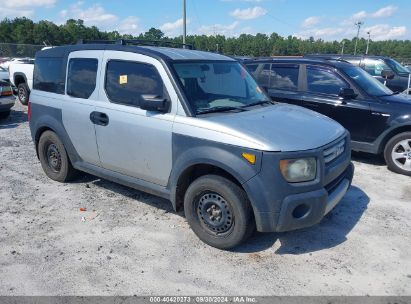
(375, 65)
(378, 119)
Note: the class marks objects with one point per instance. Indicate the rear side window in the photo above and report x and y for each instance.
(49, 75)
(284, 77)
(252, 68)
(263, 78)
(81, 77)
(127, 81)
(324, 81)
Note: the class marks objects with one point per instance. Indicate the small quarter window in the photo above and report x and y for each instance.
(127, 81)
(81, 77)
(49, 75)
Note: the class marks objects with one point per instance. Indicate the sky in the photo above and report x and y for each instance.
(328, 20)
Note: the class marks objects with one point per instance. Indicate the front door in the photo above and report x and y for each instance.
(322, 87)
(132, 141)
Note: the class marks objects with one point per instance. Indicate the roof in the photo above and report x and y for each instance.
(300, 60)
(344, 56)
(165, 53)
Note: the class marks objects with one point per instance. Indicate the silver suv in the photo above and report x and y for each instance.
(192, 127)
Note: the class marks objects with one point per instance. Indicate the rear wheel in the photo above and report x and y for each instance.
(4, 115)
(218, 211)
(54, 158)
(398, 153)
(23, 93)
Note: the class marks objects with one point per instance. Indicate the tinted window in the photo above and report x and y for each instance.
(264, 77)
(81, 77)
(324, 81)
(368, 83)
(374, 67)
(49, 75)
(284, 77)
(127, 81)
(252, 67)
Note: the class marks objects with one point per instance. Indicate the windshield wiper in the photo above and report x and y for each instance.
(221, 109)
(258, 103)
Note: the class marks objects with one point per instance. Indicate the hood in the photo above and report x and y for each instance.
(282, 127)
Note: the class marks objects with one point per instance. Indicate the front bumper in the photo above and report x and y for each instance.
(306, 209)
(281, 206)
(6, 103)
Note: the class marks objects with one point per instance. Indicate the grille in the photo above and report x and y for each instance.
(334, 152)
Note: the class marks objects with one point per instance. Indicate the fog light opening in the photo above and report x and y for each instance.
(301, 211)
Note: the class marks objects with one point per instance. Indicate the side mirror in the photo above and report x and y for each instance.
(387, 74)
(154, 103)
(347, 93)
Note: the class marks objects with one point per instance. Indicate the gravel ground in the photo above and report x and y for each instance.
(128, 242)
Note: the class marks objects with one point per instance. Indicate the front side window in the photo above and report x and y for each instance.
(127, 82)
(323, 81)
(365, 81)
(374, 67)
(49, 75)
(81, 77)
(284, 77)
(211, 85)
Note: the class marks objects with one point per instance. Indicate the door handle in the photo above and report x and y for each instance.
(99, 118)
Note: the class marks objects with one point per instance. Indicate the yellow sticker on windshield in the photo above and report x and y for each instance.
(123, 79)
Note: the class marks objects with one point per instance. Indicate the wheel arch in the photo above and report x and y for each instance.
(19, 78)
(390, 134)
(193, 172)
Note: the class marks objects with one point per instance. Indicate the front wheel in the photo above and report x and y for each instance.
(218, 211)
(398, 153)
(23, 93)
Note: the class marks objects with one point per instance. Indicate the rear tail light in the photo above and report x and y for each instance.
(5, 90)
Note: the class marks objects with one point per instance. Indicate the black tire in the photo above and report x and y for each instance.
(231, 220)
(23, 93)
(54, 158)
(4, 115)
(400, 144)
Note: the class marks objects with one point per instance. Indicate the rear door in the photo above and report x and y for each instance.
(79, 102)
(284, 85)
(322, 87)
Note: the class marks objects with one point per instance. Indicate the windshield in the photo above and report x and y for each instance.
(368, 83)
(396, 66)
(210, 86)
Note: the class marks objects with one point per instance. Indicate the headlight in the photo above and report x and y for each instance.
(299, 170)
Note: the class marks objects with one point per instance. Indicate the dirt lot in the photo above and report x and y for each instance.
(132, 243)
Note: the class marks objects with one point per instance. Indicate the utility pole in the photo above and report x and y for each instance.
(358, 25)
(368, 42)
(184, 22)
(342, 48)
